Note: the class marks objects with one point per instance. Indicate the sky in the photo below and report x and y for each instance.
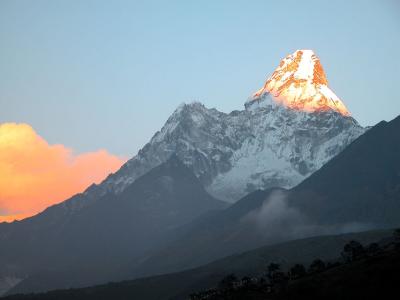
(96, 77)
(107, 74)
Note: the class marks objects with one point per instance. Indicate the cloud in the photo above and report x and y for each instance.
(277, 221)
(35, 175)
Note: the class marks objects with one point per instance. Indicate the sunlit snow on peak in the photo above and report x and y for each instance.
(300, 83)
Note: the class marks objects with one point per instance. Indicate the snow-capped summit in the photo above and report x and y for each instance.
(299, 82)
(288, 130)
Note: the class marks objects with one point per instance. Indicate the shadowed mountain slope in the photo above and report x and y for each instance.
(360, 186)
(111, 231)
(180, 285)
(357, 190)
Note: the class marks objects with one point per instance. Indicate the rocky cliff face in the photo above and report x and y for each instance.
(288, 130)
(265, 145)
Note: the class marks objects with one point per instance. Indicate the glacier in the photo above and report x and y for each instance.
(264, 145)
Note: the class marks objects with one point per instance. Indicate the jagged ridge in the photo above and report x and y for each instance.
(263, 146)
(299, 82)
(288, 130)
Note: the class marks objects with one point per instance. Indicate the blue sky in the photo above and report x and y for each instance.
(107, 74)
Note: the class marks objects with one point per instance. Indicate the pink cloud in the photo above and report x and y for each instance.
(35, 175)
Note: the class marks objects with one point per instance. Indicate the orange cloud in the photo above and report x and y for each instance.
(35, 175)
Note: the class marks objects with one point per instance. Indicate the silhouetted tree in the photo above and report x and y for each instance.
(317, 266)
(396, 234)
(353, 250)
(333, 264)
(279, 281)
(227, 282)
(297, 271)
(396, 237)
(373, 249)
(272, 268)
(246, 281)
(194, 296)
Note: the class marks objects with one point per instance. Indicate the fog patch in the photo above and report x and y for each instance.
(7, 283)
(277, 221)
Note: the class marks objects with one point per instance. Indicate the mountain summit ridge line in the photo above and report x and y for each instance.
(272, 142)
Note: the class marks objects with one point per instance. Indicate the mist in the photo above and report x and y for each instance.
(277, 221)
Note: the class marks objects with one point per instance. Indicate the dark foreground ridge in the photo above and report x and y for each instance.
(205, 282)
(370, 278)
(361, 273)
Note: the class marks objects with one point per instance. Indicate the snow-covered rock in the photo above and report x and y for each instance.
(262, 146)
(287, 131)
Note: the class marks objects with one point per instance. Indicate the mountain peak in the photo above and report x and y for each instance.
(299, 82)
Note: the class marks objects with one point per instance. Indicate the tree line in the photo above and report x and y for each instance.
(274, 280)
